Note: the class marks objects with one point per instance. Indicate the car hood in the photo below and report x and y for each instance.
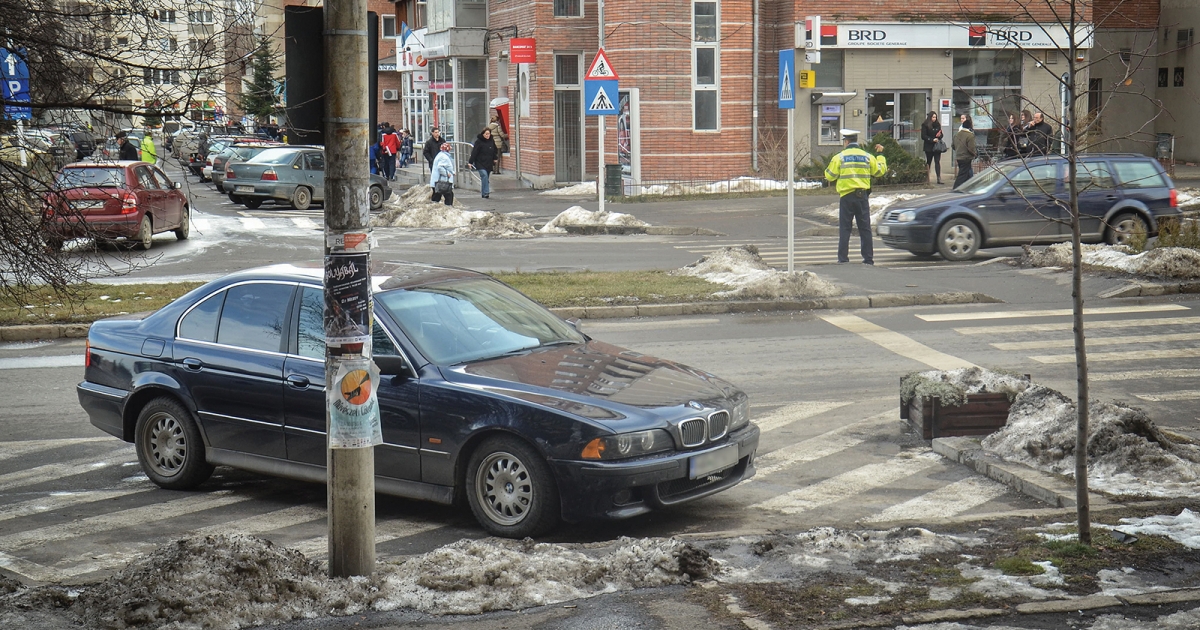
(599, 381)
(928, 201)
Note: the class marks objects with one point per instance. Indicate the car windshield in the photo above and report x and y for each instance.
(275, 156)
(985, 180)
(91, 177)
(473, 319)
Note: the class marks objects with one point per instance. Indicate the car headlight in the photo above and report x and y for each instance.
(740, 414)
(906, 216)
(626, 445)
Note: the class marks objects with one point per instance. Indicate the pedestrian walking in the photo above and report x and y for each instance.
(1041, 134)
(935, 145)
(441, 175)
(499, 138)
(853, 169)
(127, 151)
(432, 146)
(149, 152)
(389, 146)
(483, 159)
(373, 156)
(406, 148)
(965, 151)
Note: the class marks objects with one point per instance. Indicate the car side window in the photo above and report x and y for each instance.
(316, 162)
(164, 181)
(310, 340)
(200, 324)
(145, 178)
(1138, 175)
(1093, 175)
(253, 316)
(1035, 180)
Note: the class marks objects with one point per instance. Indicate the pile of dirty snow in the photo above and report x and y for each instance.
(953, 386)
(495, 225)
(1162, 262)
(879, 204)
(742, 268)
(1183, 529)
(575, 190)
(1188, 197)
(1127, 454)
(578, 216)
(413, 209)
(240, 581)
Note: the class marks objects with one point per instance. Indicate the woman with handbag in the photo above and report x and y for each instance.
(500, 138)
(441, 176)
(483, 158)
(935, 145)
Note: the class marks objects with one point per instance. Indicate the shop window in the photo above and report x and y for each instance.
(568, 8)
(831, 123)
(705, 63)
(829, 71)
(988, 89)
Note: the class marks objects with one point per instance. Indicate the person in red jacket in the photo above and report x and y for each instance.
(388, 148)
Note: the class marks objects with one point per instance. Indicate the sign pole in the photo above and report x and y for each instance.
(791, 166)
(600, 148)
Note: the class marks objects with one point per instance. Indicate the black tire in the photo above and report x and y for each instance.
(511, 490)
(234, 198)
(1123, 226)
(145, 234)
(376, 196)
(253, 204)
(169, 446)
(958, 239)
(185, 224)
(301, 198)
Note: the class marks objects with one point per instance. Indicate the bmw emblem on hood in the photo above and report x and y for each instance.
(695, 405)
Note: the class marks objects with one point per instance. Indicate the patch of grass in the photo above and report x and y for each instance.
(591, 288)
(1069, 548)
(89, 302)
(1014, 565)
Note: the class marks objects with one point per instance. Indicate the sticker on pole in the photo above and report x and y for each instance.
(354, 406)
(601, 68)
(601, 98)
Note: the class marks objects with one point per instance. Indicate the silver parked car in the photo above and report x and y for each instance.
(294, 175)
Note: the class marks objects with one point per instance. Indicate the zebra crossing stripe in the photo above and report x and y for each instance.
(27, 569)
(795, 412)
(1136, 375)
(1056, 326)
(252, 223)
(944, 502)
(305, 222)
(52, 472)
(60, 500)
(385, 530)
(896, 342)
(851, 483)
(1193, 394)
(1095, 341)
(820, 446)
(1052, 312)
(9, 450)
(1128, 355)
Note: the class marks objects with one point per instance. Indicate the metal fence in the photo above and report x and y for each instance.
(702, 186)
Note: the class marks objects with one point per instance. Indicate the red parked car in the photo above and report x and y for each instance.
(130, 200)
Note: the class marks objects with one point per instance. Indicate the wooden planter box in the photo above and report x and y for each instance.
(982, 414)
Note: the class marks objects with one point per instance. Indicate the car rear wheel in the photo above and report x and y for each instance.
(253, 204)
(234, 198)
(958, 239)
(510, 489)
(1124, 226)
(302, 198)
(145, 234)
(185, 224)
(169, 446)
(376, 197)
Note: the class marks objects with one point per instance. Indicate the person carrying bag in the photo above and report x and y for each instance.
(441, 176)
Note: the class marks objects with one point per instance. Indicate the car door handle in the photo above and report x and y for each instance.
(297, 381)
(193, 364)
(1111, 197)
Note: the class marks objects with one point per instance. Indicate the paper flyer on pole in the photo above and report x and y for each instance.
(353, 405)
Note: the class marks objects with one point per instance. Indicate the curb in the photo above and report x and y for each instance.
(878, 300)
(43, 331)
(1148, 289)
(1088, 602)
(1056, 491)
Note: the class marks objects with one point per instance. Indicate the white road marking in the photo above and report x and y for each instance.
(277, 519)
(794, 412)
(944, 502)
(385, 530)
(1056, 326)
(199, 224)
(1193, 394)
(60, 500)
(52, 472)
(896, 342)
(1128, 355)
(819, 446)
(57, 361)
(1095, 341)
(850, 483)
(27, 569)
(650, 324)
(17, 448)
(305, 222)
(252, 223)
(1135, 375)
(1054, 312)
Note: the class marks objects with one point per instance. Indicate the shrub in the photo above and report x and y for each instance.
(814, 168)
(903, 168)
(1173, 234)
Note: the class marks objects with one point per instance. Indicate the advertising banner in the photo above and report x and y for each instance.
(354, 405)
(347, 301)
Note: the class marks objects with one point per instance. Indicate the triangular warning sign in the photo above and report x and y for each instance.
(785, 84)
(602, 102)
(601, 68)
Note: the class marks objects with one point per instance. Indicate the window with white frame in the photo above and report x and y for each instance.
(706, 60)
(387, 26)
(199, 17)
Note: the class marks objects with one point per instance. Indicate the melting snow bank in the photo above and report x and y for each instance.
(1163, 262)
(576, 215)
(742, 268)
(415, 210)
(582, 188)
(879, 203)
(1127, 454)
(1188, 197)
(1183, 529)
(240, 581)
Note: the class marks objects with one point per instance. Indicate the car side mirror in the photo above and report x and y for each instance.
(177, 185)
(391, 365)
(1005, 191)
(575, 323)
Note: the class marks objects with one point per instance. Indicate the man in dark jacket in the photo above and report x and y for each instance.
(433, 146)
(483, 158)
(128, 151)
(1040, 135)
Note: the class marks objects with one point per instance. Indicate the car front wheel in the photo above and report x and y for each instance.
(302, 198)
(1124, 226)
(958, 239)
(169, 446)
(511, 490)
(376, 197)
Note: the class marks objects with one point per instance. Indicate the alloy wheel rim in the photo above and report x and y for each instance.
(166, 445)
(504, 488)
(1124, 231)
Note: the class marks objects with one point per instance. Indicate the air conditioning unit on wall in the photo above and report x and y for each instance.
(391, 95)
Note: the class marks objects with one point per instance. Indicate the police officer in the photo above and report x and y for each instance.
(852, 169)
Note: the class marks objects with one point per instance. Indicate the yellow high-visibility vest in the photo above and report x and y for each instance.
(852, 169)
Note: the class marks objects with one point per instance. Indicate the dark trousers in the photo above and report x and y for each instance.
(389, 166)
(965, 172)
(935, 158)
(449, 197)
(855, 207)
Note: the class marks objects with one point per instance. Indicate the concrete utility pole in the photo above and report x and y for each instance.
(351, 462)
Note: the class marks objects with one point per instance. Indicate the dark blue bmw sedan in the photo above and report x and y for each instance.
(483, 393)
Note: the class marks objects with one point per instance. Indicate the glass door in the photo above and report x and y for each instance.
(899, 115)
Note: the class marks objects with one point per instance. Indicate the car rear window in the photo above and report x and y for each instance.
(91, 177)
(1139, 174)
(275, 156)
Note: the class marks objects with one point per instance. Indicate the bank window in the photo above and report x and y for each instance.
(831, 123)
(568, 8)
(829, 71)
(987, 87)
(705, 64)
(388, 25)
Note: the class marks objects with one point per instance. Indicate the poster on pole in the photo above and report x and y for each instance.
(354, 405)
(347, 302)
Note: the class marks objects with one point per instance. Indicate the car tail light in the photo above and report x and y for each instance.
(129, 204)
(208, 161)
(1174, 198)
(269, 175)
(87, 353)
(229, 174)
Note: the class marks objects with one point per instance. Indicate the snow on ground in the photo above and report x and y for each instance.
(576, 215)
(1164, 262)
(879, 203)
(1183, 529)
(743, 269)
(1127, 453)
(739, 184)
(1185, 620)
(994, 583)
(414, 210)
(582, 188)
(1188, 197)
(494, 225)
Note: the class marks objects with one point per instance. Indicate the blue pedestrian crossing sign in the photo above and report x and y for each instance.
(787, 79)
(600, 97)
(14, 79)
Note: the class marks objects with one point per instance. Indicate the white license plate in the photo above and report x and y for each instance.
(711, 462)
(247, 189)
(884, 229)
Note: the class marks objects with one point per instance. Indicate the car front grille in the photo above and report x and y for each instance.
(692, 432)
(894, 238)
(892, 215)
(718, 424)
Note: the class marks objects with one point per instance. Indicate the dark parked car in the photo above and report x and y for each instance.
(1020, 202)
(294, 175)
(482, 393)
(130, 200)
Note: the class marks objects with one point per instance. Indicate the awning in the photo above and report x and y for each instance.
(834, 98)
(387, 64)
